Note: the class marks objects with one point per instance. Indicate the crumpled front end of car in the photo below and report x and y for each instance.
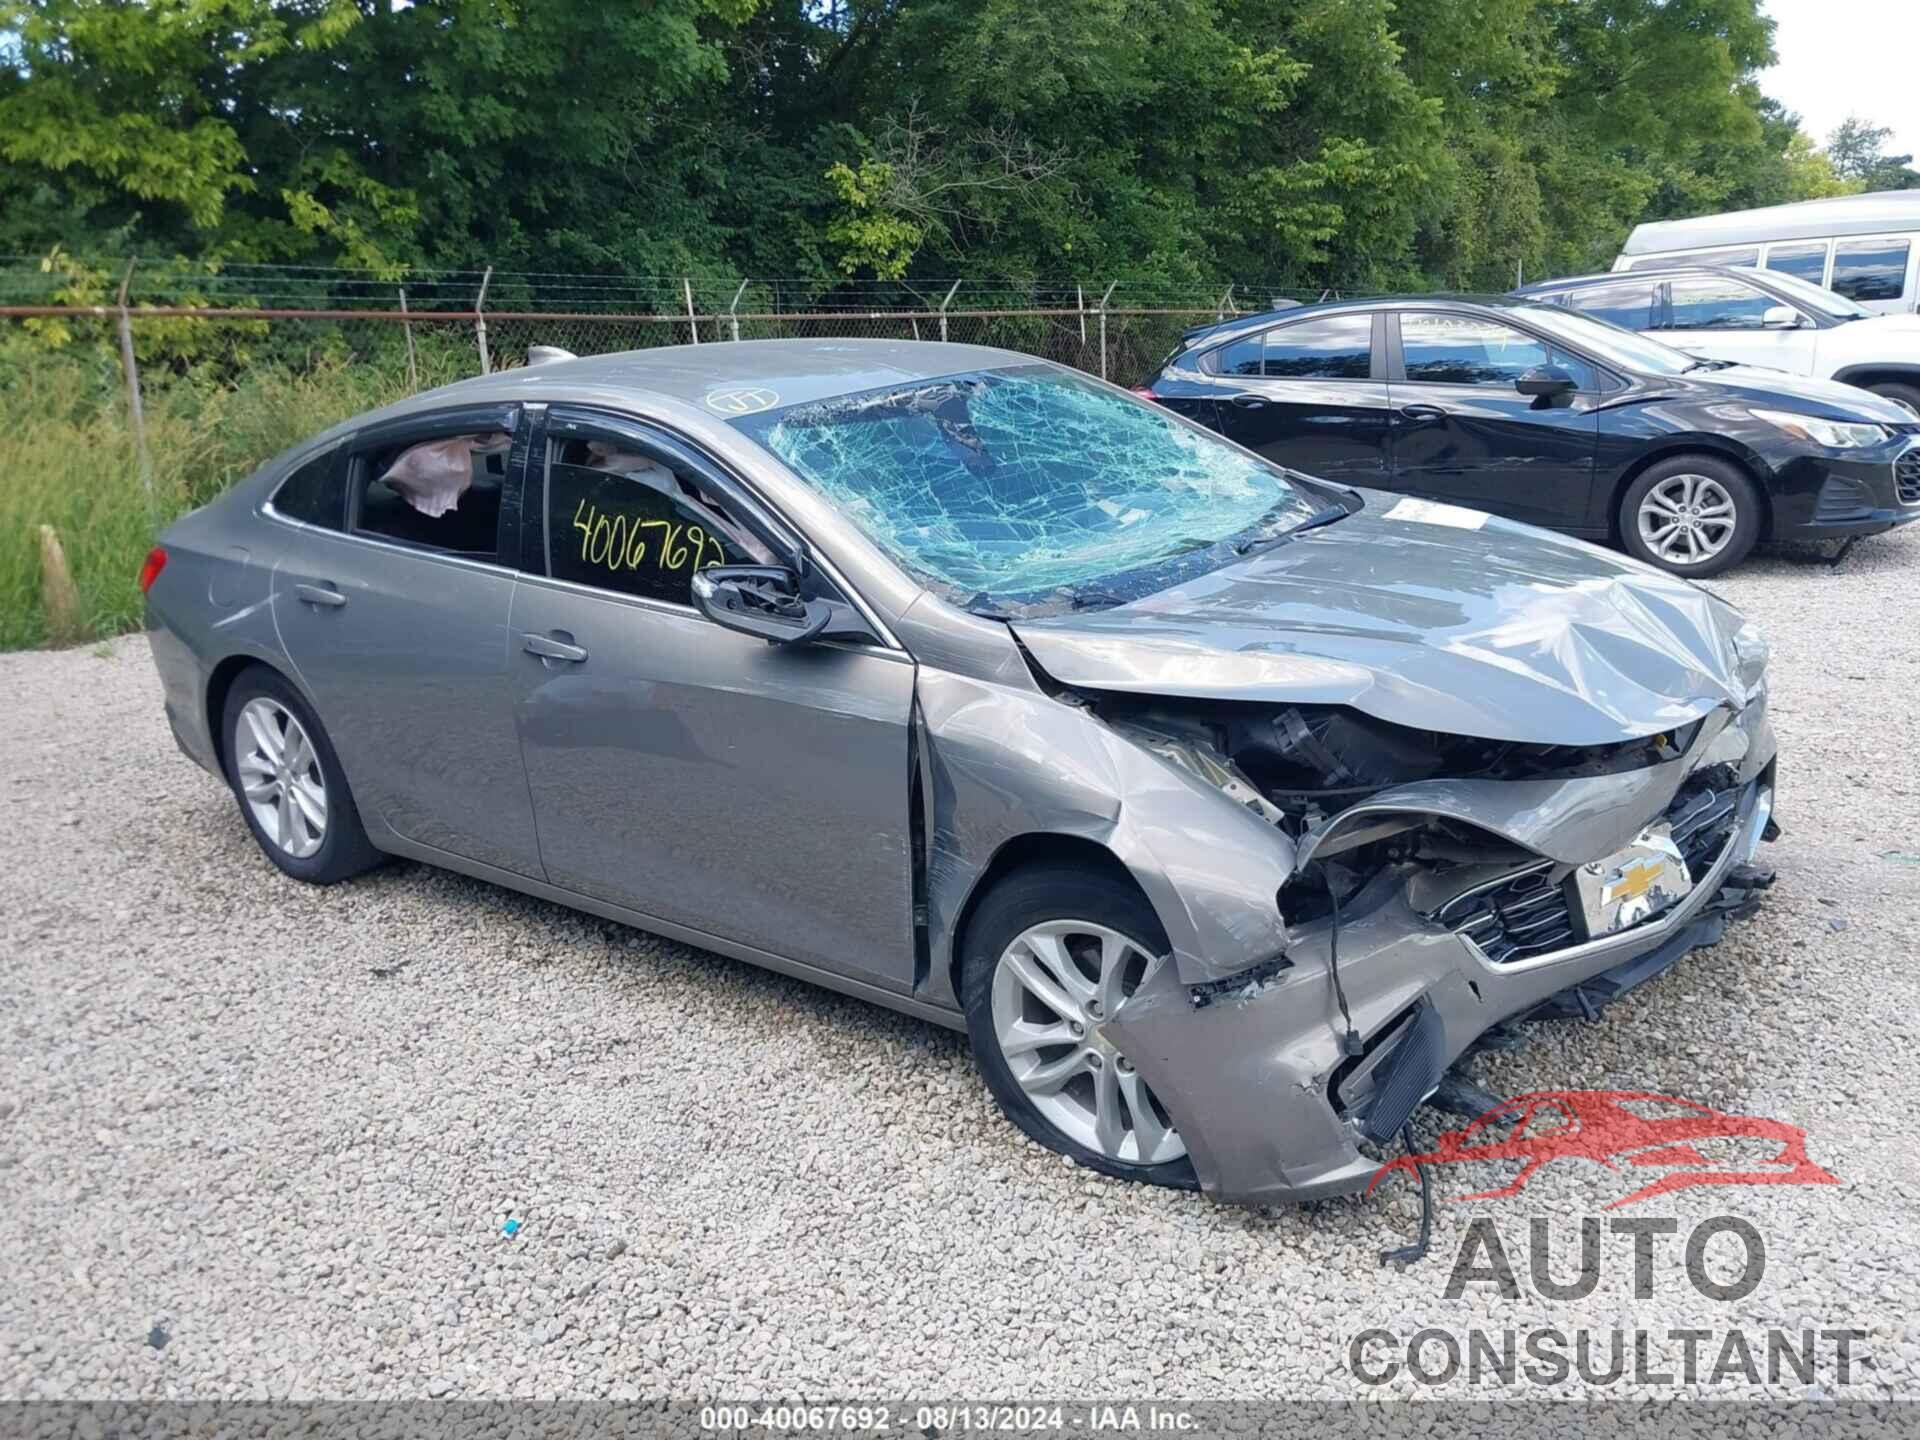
(1501, 881)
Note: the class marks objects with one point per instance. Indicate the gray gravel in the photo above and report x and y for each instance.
(263, 1140)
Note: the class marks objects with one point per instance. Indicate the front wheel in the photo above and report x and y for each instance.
(1051, 953)
(1694, 515)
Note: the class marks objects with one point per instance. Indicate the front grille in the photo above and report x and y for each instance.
(1906, 476)
(1522, 916)
(1527, 914)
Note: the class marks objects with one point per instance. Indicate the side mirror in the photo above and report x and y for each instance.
(759, 600)
(1779, 317)
(1546, 382)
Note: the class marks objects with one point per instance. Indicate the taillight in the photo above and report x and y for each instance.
(150, 572)
(1145, 394)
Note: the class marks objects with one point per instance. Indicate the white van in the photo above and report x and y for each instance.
(1865, 247)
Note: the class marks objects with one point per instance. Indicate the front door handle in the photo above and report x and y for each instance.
(1423, 412)
(1249, 402)
(548, 648)
(319, 595)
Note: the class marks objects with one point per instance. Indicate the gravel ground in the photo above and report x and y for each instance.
(260, 1140)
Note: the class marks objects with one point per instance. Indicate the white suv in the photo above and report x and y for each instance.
(1754, 317)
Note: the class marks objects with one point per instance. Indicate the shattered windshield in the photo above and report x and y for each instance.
(1031, 488)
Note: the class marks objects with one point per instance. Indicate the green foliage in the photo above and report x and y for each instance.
(1355, 143)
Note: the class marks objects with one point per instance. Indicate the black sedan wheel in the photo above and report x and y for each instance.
(1694, 515)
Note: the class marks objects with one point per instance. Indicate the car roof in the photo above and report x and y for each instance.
(1803, 220)
(783, 372)
(1628, 277)
(1207, 335)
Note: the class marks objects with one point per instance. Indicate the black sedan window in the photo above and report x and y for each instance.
(1440, 349)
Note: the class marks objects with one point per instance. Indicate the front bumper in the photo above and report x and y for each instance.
(1831, 494)
(1256, 1081)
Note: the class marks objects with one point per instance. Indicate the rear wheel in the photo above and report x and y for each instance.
(1051, 953)
(1907, 395)
(1694, 515)
(292, 792)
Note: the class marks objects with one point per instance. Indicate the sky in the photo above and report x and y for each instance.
(1842, 57)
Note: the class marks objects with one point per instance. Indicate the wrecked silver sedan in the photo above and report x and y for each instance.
(1224, 809)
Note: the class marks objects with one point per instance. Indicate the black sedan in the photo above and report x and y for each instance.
(1539, 414)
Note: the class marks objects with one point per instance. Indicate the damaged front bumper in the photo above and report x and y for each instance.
(1254, 1075)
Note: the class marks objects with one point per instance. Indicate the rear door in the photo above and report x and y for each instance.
(750, 791)
(1311, 394)
(1463, 433)
(397, 628)
(1722, 318)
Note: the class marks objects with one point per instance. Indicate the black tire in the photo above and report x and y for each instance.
(344, 850)
(1907, 395)
(1748, 517)
(1033, 896)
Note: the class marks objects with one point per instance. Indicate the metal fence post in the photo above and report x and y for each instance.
(413, 367)
(136, 413)
(733, 310)
(1226, 304)
(480, 322)
(1103, 327)
(1080, 304)
(693, 325)
(943, 311)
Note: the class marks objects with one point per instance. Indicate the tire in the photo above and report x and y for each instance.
(1698, 491)
(1042, 917)
(306, 799)
(1907, 395)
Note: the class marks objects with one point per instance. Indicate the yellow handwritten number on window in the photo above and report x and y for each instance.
(619, 543)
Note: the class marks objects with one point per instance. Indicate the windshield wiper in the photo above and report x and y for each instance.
(1313, 522)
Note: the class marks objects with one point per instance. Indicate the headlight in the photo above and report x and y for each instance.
(1834, 434)
(1751, 652)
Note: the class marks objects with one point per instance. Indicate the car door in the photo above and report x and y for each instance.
(1463, 433)
(1311, 394)
(1724, 318)
(396, 625)
(732, 787)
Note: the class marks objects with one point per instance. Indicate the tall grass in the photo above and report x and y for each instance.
(67, 459)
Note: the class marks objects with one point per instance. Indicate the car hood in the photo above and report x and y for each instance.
(1801, 394)
(1427, 616)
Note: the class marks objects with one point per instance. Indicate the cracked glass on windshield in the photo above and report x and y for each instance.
(1029, 488)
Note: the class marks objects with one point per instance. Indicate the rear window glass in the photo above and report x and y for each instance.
(313, 494)
(1806, 262)
(1870, 269)
(1628, 305)
(439, 494)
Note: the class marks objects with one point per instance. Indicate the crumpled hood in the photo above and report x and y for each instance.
(1457, 622)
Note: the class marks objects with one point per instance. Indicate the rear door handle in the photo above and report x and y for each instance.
(319, 595)
(1249, 402)
(547, 648)
(1423, 412)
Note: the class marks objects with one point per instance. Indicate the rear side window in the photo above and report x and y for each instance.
(1715, 304)
(1628, 305)
(1749, 256)
(1339, 347)
(440, 494)
(622, 521)
(1870, 269)
(314, 494)
(1803, 262)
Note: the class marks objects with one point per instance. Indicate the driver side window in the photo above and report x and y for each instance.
(621, 520)
(1442, 349)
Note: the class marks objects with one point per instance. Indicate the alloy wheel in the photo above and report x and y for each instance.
(1054, 988)
(280, 777)
(1687, 519)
